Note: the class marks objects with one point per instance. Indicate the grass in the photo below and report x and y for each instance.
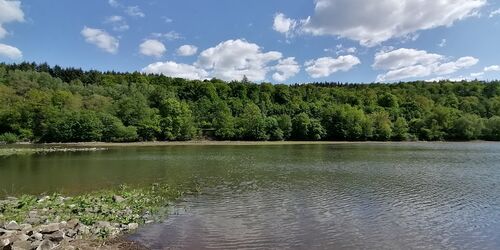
(96, 206)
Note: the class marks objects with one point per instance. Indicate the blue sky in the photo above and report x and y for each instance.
(274, 40)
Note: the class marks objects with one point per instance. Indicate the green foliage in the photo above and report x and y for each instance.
(52, 104)
(492, 129)
(400, 130)
(96, 206)
(8, 138)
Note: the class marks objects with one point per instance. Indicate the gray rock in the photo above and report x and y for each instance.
(82, 229)
(45, 245)
(50, 228)
(12, 226)
(132, 226)
(37, 236)
(55, 236)
(33, 214)
(43, 199)
(118, 199)
(35, 244)
(72, 224)
(6, 233)
(21, 245)
(71, 233)
(33, 220)
(23, 237)
(4, 242)
(26, 227)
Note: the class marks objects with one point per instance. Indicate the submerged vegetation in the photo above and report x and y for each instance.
(39, 103)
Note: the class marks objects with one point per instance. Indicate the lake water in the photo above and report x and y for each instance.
(353, 196)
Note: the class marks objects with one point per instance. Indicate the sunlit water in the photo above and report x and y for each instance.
(354, 196)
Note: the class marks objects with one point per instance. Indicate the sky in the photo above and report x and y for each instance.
(278, 41)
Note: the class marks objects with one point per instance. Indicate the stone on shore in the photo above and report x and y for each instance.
(132, 226)
(12, 226)
(118, 199)
(50, 228)
(46, 245)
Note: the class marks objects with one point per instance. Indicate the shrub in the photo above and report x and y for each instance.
(8, 138)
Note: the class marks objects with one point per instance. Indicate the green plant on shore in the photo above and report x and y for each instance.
(8, 138)
(90, 208)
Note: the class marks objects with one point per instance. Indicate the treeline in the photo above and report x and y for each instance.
(39, 103)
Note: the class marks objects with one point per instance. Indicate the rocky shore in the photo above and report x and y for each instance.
(82, 222)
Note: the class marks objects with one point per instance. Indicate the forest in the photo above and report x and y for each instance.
(40, 103)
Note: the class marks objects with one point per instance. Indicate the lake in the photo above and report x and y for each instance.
(361, 195)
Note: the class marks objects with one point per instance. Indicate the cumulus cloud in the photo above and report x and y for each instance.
(404, 57)
(492, 68)
(410, 63)
(231, 60)
(174, 69)
(187, 50)
(118, 23)
(494, 13)
(134, 11)
(152, 47)
(101, 39)
(10, 52)
(234, 59)
(285, 69)
(10, 11)
(372, 22)
(325, 66)
(283, 24)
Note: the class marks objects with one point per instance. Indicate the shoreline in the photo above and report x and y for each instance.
(99, 219)
(232, 143)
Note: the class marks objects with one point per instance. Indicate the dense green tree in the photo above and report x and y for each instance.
(252, 124)
(400, 129)
(54, 104)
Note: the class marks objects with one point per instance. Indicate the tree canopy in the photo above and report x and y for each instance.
(39, 103)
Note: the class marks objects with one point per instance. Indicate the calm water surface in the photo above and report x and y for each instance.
(353, 196)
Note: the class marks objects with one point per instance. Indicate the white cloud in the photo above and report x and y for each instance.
(114, 3)
(478, 74)
(187, 50)
(118, 23)
(171, 35)
(101, 39)
(341, 50)
(442, 43)
(325, 66)
(152, 47)
(452, 67)
(134, 11)
(492, 68)
(372, 22)
(233, 59)
(167, 19)
(174, 69)
(10, 52)
(285, 69)
(283, 24)
(494, 13)
(410, 63)
(10, 11)
(403, 57)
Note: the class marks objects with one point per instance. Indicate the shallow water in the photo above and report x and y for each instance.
(368, 196)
